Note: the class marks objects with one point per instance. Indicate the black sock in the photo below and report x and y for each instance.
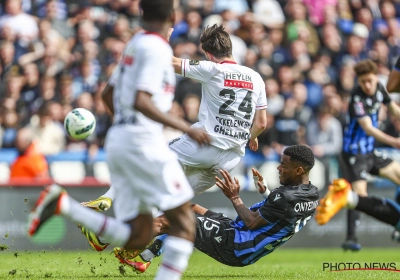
(380, 208)
(353, 218)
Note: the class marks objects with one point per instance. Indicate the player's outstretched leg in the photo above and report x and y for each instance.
(54, 200)
(383, 209)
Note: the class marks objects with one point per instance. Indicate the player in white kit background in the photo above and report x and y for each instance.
(139, 94)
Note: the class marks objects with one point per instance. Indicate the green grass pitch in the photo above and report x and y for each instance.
(282, 264)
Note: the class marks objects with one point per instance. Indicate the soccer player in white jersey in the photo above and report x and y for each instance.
(232, 111)
(140, 93)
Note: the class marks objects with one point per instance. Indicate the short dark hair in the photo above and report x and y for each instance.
(365, 67)
(156, 10)
(302, 154)
(216, 40)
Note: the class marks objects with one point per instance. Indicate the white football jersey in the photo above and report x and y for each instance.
(145, 66)
(231, 94)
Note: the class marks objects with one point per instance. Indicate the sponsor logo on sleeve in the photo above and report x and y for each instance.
(194, 62)
(359, 108)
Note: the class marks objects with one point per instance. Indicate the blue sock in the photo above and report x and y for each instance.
(161, 238)
(155, 249)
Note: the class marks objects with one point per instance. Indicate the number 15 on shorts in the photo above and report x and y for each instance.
(209, 224)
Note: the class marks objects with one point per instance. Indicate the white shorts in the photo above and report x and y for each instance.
(145, 179)
(202, 163)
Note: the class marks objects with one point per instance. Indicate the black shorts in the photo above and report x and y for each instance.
(356, 167)
(215, 237)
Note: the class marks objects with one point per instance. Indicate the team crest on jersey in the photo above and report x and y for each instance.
(127, 60)
(359, 108)
(238, 80)
(194, 62)
(128, 56)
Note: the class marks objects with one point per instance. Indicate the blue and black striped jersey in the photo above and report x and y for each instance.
(355, 140)
(287, 209)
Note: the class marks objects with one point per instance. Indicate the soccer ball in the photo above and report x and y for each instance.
(79, 123)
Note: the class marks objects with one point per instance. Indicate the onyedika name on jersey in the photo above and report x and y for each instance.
(229, 132)
(305, 206)
(238, 80)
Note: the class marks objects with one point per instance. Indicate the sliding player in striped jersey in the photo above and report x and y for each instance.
(259, 230)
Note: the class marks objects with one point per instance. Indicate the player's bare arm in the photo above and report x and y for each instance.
(107, 96)
(394, 109)
(393, 84)
(231, 189)
(176, 61)
(145, 105)
(259, 124)
(366, 124)
(177, 64)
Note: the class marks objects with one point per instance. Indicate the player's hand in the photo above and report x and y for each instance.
(198, 135)
(259, 183)
(229, 187)
(253, 144)
(169, 33)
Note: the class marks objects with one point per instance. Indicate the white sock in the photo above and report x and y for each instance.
(110, 193)
(113, 231)
(147, 255)
(352, 199)
(176, 258)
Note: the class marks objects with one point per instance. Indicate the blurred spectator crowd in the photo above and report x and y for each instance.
(56, 55)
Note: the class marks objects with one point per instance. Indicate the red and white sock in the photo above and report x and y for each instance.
(175, 259)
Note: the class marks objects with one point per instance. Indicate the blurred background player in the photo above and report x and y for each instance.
(138, 96)
(340, 196)
(361, 131)
(259, 230)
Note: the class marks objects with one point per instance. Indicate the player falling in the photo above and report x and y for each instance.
(257, 231)
(232, 111)
(144, 172)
